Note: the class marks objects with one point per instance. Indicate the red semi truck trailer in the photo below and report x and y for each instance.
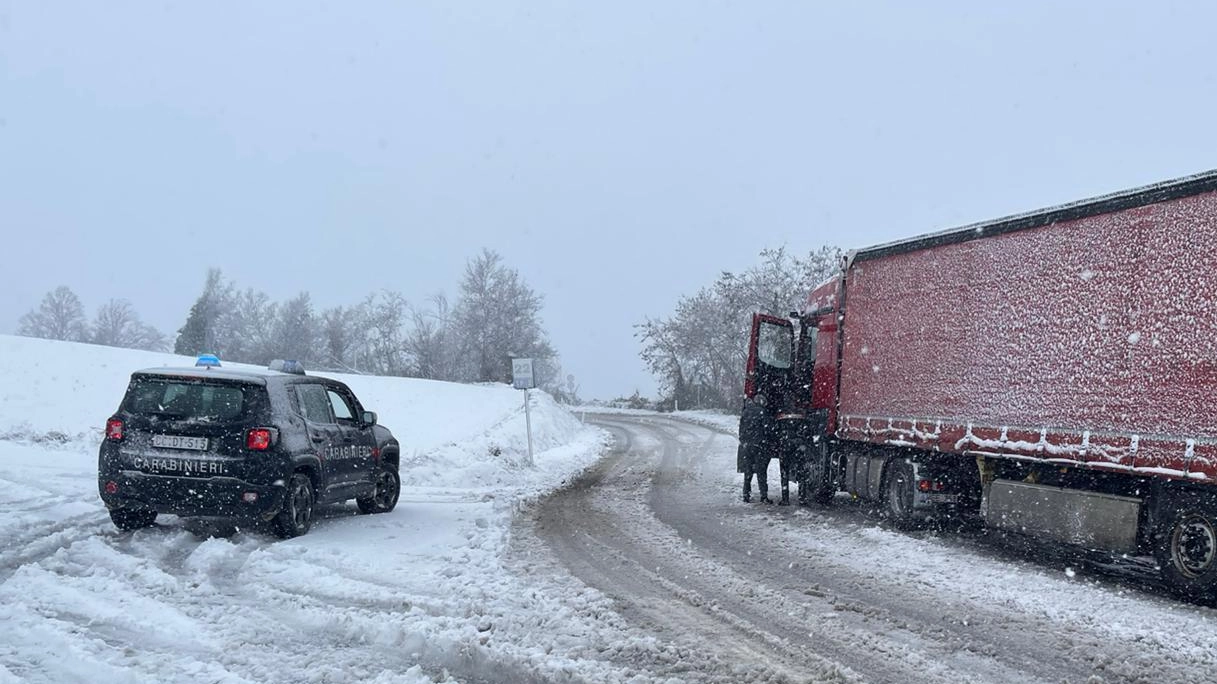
(1054, 373)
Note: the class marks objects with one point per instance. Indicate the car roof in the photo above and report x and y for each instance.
(256, 376)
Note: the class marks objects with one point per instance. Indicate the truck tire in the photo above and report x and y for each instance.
(898, 493)
(815, 482)
(296, 517)
(1187, 550)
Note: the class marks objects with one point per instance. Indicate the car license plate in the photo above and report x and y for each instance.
(179, 442)
(939, 497)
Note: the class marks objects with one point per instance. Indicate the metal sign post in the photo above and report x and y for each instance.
(528, 428)
(522, 378)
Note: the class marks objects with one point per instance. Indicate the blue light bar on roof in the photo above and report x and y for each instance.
(287, 366)
(207, 361)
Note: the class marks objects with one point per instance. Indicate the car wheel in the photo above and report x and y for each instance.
(296, 516)
(128, 519)
(384, 497)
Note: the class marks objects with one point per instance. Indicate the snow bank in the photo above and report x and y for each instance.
(419, 594)
(727, 423)
(717, 420)
(451, 434)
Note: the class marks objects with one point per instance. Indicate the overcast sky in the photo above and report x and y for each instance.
(618, 154)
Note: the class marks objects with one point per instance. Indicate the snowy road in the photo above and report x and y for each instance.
(737, 592)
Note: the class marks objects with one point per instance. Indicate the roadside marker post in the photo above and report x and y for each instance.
(522, 378)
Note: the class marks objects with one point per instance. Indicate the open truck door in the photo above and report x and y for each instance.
(766, 383)
(770, 359)
(783, 423)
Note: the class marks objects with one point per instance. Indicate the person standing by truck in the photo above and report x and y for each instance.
(755, 447)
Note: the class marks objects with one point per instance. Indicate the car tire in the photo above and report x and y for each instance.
(132, 519)
(296, 516)
(384, 497)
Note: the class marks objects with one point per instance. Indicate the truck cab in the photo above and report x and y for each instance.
(794, 363)
(792, 372)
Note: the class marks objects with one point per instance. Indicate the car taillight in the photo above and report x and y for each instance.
(924, 485)
(114, 430)
(259, 439)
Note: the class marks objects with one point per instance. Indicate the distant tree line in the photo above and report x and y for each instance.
(699, 352)
(61, 316)
(496, 316)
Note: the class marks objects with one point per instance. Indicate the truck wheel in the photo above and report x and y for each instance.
(296, 517)
(815, 485)
(898, 494)
(384, 497)
(1187, 551)
(127, 519)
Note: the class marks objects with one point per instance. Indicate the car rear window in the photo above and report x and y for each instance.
(185, 399)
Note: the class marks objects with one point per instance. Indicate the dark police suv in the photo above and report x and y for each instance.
(247, 445)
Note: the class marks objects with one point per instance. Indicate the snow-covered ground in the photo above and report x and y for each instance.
(415, 595)
(647, 570)
(727, 423)
(717, 420)
(741, 592)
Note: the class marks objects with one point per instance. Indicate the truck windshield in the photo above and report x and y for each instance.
(184, 399)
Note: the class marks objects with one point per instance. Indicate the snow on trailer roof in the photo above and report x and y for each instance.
(1104, 204)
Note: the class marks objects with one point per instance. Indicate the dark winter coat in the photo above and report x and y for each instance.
(757, 438)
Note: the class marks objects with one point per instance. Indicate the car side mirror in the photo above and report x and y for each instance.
(369, 417)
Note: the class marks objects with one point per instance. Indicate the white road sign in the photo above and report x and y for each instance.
(521, 374)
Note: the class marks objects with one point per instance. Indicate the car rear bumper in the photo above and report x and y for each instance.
(221, 497)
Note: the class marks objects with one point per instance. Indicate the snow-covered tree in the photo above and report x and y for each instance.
(497, 317)
(430, 342)
(384, 320)
(118, 325)
(246, 328)
(342, 337)
(200, 332)
(297, 334)
(60, 316)
(699, 353)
